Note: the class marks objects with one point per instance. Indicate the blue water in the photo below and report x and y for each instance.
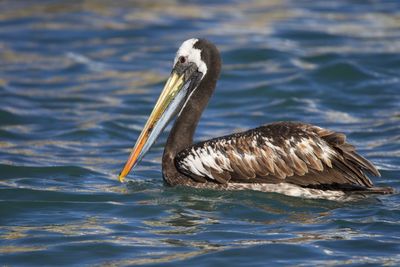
(79, 78)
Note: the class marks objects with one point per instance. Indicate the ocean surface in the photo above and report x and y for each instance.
(79, 78)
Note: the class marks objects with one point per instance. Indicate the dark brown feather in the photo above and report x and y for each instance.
(313, 156)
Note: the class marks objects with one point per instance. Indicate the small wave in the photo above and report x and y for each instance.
(81, 59)
(342, 71)
(19, 171)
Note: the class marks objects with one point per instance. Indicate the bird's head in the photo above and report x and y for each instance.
(191, 66)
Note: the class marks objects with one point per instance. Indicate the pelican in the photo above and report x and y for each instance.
(290, 158)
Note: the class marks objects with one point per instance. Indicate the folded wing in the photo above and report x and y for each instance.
(295, 153)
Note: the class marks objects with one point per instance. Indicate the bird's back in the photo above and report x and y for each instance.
(281, 152)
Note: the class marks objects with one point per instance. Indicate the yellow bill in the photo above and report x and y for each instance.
(167, 105)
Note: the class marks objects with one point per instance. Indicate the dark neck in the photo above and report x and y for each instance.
(182, 132)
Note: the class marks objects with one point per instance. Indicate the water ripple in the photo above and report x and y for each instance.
(78, 80)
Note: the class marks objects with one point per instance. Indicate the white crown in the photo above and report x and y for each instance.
(192, 54)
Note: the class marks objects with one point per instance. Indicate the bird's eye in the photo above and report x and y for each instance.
(182, 59)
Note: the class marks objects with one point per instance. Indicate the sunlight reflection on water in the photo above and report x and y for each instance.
(78, 80)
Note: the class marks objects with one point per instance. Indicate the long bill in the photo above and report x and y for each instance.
(166, 107)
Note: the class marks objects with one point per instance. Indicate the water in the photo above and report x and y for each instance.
(78, 79)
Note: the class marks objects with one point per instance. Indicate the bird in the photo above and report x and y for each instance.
(291, 158)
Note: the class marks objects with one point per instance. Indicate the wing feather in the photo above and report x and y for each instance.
(296, 153)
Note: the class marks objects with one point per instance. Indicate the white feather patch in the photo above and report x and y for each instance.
(289, 190)
(188, 51)
(305, 147)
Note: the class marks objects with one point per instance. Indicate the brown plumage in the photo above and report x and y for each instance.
(295, 153)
